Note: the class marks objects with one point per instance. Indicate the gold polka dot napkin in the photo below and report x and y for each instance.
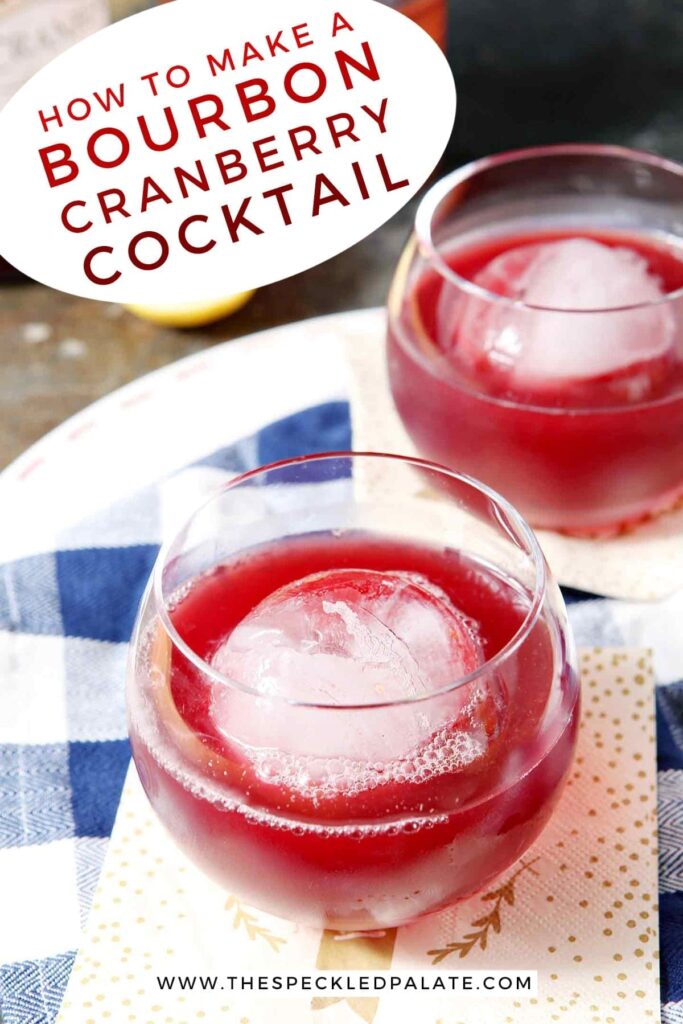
(642, 565)
(580, 908)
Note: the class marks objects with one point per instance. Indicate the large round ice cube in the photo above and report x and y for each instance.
(352, 637)
(568, 336)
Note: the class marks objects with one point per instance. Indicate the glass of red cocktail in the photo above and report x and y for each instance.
(353, 700)
(536, 332)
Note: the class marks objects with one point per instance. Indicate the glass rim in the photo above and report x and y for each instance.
(161, 611)
(431, 201)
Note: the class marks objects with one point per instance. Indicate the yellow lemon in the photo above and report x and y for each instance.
(191, 314)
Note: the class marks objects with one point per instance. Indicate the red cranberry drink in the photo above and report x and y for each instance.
(352, 726)
(536, 333)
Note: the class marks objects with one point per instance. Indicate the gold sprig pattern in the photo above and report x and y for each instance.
(245, 919)
(490, 922)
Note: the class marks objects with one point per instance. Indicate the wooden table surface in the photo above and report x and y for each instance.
(59, 353)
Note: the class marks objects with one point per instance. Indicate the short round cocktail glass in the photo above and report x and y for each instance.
(536, 332)
(352, 692)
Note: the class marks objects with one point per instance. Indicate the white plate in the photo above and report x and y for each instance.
(169, 418)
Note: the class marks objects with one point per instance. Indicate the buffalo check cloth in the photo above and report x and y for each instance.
(65, 620)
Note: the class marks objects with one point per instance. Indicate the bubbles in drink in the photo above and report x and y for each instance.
(547, 347)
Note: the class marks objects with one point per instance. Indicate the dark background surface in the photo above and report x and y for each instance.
(527, 72)
(536, 71)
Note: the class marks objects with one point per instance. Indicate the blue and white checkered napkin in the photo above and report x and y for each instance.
(65, 619)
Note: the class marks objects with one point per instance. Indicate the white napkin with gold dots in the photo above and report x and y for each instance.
(580, 908)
